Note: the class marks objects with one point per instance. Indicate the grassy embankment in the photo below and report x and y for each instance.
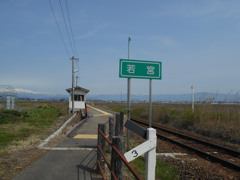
(34, 119)
(219, 121)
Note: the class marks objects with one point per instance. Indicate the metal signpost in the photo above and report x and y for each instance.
(144, 70)
(128, 98)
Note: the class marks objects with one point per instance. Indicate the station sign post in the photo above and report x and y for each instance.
(142, 69)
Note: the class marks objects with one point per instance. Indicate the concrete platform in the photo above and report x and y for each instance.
(75, 158)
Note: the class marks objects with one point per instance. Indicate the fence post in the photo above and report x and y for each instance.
(102, 144)
(119, 124)
(116, 161)
(111, 131)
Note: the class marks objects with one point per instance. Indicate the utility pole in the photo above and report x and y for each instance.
(73, 72)
(76, 81)
(192, 98)
(128, 98)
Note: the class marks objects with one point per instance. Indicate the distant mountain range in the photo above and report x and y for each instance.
(39, 96)
(200, 96)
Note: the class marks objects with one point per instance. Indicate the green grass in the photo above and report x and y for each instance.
(6, 138)
(219, 121)
(162, 171)
(139, 165)
(15, 126)
(9, 116)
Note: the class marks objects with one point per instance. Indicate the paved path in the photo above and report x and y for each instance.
(75, 164)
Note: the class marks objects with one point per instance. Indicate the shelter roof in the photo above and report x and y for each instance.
(77, 88)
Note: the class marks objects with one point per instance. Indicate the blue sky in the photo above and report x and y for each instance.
(196, 41)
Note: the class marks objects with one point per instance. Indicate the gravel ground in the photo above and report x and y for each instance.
(190, 165)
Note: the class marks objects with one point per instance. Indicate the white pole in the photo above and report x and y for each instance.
(13, 102)
(192, 98)
(151, 155)
(9, 102)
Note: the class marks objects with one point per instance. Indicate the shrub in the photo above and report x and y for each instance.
(7, 116)
(186, 120)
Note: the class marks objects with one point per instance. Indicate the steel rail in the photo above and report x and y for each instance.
(201, 153)
(229, 151)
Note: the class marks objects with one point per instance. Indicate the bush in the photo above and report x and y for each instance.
(186, 121)
(10, 112)
(45, 106)
(7, 116)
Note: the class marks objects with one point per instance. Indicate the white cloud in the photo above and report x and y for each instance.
(31, 92)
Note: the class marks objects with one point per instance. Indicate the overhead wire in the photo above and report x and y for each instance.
(74, 44)
(59, 29)
(71, 42)
(71, 28)
(66, 26)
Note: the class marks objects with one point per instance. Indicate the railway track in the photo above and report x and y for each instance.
(225, 156)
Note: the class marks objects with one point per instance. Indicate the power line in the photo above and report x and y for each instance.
(66, 26)
(71, 28)
(59, 29)
(69, 20)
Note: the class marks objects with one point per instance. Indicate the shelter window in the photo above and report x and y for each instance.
(78, 98)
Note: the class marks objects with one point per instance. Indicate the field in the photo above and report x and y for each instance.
(32, 119)
(219, 121)
(23, 130)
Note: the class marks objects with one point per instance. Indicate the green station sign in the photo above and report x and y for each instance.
(129, 68)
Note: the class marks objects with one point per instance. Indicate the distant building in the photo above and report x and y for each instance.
(8, 97)
(79, 99)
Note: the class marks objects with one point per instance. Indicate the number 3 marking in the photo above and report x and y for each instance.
(135, 154)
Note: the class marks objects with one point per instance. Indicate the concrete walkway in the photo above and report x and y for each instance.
(74, 159)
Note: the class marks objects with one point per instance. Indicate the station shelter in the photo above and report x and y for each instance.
(79, 100)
